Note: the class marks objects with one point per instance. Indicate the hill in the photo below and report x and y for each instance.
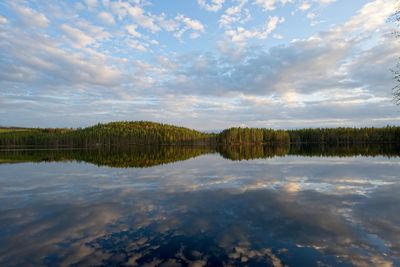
(108, 134)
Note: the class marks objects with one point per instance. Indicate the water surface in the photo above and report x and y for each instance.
(195, 206)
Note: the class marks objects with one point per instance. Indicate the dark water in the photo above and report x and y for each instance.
(173, 206)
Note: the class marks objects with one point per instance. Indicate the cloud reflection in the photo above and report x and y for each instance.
(203, 211)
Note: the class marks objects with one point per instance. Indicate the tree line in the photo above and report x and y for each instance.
(346, 136)
(330, 136)
(253, 136)
(151, 133)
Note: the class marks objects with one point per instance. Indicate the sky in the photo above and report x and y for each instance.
(203, 64)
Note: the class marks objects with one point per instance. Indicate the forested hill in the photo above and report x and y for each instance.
(151, 133)
(114, 133)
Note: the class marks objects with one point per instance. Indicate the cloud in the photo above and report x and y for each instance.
(146, 21)
(235, 14)
(3, 20)
(311, 15)
(214, 6)
(84, 33)
(304, 6)
(240, 35)
(91, 4)
(266, 4)
(373, 15)
(44, 63)
(136, 13)
(77, 36)
(31, 17)
(132, 31)
(188, 24)
(269, 5)
(106, 17)
(324, 2)
(137, 45)
(177, 25)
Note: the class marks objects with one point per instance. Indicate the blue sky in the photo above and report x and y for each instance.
(205, 64)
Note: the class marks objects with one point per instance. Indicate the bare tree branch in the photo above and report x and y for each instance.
(395, 18)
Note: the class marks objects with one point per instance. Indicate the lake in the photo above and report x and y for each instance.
(172, 206)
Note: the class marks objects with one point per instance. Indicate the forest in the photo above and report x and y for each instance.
(150, 133)
(108, 134)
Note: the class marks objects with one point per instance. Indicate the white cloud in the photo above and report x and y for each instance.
(240, 35)
(3, 20)
(49, 66)
(146, 21)
(132, 31)
(106, 17)
(278, 36)
(273, 23)
(266, 4)
(137, 45)
(84, 33)
(235, 14)
(137, 15)
(191, 23)
(269, 5)
(91, 4)
(324, 2)
(311, 15)
(372, 15)
(304, 6)
(178, 25)
(188, 24)
(214, 6)
(120, 9)
(77, 36)
(31, 17)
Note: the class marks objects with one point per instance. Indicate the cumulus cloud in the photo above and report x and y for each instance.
(106, 17)
(269, 5)
(213, 5)
(132, 30)
(146, 21)
(373, 15)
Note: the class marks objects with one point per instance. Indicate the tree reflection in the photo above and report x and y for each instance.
(148, 156)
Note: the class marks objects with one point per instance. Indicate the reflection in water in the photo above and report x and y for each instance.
(148, 156)
(277, 211)
(121, 157)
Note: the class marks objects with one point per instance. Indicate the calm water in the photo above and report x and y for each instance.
(277, 208)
